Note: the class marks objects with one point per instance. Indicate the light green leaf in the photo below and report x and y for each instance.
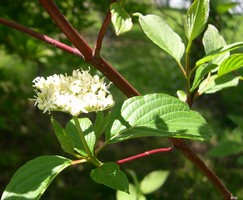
(133, 194)
(200, 74)
(224, 6)
(32, 179)
(226, 148)
(218, 52)
(63, 138)
(214, 83)
(162, 35)
(196, 19)
(212, 41)
(157, 115)
(110, 175)
(230, 64)
(100, 123)
(88, 131)
(120, 19)
(182, 95)
(153, 181)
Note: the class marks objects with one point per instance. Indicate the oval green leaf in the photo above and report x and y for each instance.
(157, 115)
(88, 131)
(212, 40)
(33, 178)
(65, 141)
(162, 35)
(153, 181)
(133, 194)
(230, 64)
(120, 19)
(196, 19)
(218, 52)
(110, 175)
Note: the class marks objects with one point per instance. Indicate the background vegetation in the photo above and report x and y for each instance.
(26, 133)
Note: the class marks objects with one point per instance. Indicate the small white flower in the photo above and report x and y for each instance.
(76, 94)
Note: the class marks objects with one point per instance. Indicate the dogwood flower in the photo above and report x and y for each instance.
(76, 94)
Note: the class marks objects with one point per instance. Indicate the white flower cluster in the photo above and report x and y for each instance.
(76, 94)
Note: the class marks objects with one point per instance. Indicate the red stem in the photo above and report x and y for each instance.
(41, 37)
(101, 34)
(99, 63)
(141, 155)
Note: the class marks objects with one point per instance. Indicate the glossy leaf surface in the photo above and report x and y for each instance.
(157, 115)
(162, 35)
(110, 175)
(32, 179)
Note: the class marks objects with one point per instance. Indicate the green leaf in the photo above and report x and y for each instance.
(88, 131)
(32, 179)
(224, 6)
(218, 52)
(214, 83)
(133, 194)
(100, 123)
(157, 115)
(162, 35)
(196, 19)
(212, 41)
(226, 148)
(200, 74)
(63, 138)
(153, 181)
(110, 175)
(230, 64)
(120, 19)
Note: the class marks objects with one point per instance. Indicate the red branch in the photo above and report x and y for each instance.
(146, 153)
(99, 63)
(101, 35)
(41, 37)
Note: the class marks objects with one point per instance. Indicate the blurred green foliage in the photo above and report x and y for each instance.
(26, 133)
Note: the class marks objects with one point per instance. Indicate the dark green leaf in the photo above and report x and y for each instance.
(120, 19)
(110, 175)
(100, 123)
(230, 64)
(196, 18)
(33, 178)
(226, 148)
(63, 138)
(157, 115)
(88, 131)
(162, 35)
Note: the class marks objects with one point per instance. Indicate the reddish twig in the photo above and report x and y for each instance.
(41, 37)
(141, 155)
(99, 63)
(101, 35)
(103, 29)
(180, 144)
